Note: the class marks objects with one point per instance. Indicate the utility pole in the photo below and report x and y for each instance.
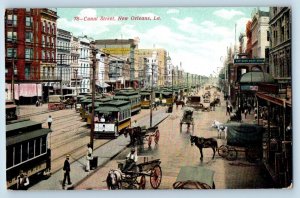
(172, 87)
(94, 52)
(61, 93)
(151, 95)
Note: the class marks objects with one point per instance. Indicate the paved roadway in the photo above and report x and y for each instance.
(175, 151)
(64, 143)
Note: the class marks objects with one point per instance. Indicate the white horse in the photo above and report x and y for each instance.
(113, 179)
(221, 128)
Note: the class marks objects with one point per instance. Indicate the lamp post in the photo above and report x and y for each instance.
(151, 101)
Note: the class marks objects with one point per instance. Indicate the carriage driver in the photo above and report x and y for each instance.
(131, 160)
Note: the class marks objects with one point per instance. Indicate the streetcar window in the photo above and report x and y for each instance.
(24, 151)
(9, 157)
(37, 147)
(44, 144)
(31, 149)
(17, 154)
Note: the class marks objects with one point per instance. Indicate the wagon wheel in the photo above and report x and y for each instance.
(252, 154)
(156, 137)
(155, 176)
(142, 183)
(223, 150)
(232, 154)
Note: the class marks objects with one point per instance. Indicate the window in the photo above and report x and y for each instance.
(47, 40)
(11, 36)
(27, 71)
(44, 145)
(49, 28)
(43, 55)
(44, 26)
(28, 21)
(30, 149)
(43, 41)
(54, 29)
(17, 151)
(28, 54)
(28, 37)
(12, 19)
(268, 36)
(9, 157)
(28, 9)
(11, 52)
(37, 147)
(24, 151)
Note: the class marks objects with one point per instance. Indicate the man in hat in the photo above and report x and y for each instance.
(131, 160)
(67, 171)
(22, 181)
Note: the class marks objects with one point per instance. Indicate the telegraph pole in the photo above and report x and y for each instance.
(94, 52)
(151, 95)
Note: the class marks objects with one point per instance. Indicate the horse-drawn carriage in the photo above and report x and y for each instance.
(187, 119)
(139, 134)
(242, 137)
(135, 178)
(195, 178)
(194, 102)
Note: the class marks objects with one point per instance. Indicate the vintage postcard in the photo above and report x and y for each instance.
(148, 98)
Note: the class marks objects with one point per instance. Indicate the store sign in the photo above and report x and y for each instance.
(103, 127)
(249, 61)
(117, 51)
(249, 88)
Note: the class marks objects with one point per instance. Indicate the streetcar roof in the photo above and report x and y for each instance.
(21, 125)
(26, 136)
(196, 174)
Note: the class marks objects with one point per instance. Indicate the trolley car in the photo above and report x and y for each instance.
(145, 99)
(26, 150)
(133, 97)
(167, 98)
(114, 117)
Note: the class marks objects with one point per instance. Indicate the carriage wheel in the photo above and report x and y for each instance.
(156, 137)
(155, 177)
(252, 154)
(223, 151)
(142, 183)
(232, 154)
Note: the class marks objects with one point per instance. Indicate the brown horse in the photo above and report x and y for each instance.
(135, 134)
(179, 102)
(204, 143)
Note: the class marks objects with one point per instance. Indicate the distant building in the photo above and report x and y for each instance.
(84, 63)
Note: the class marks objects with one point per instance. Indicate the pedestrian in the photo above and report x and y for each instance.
(88, 162)
(67, 170)
(134, 124)
(37, 103)
(49, 120)
(22, 181)
(245, 112)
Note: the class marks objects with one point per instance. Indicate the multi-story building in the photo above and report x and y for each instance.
(161, 61)
(84, 63)
(260, 31)
(30, 52)
(280, 46)
(64, 56)
(168, 71)
(74, 65)
(121, 60)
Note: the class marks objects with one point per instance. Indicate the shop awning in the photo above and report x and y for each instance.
(272, 99)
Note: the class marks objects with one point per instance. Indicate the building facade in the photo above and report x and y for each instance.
(121, 61)
(74, 65)
(30, 52)
(84, 63)
(280, 46)
(260, 31)
(63, 56)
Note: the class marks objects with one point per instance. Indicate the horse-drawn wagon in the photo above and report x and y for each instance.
(135, 178)
(55, 102)
(194, 178)
(242, 137)
(139, 134)
(187, 119)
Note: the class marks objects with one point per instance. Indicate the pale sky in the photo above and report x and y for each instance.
(196, 36)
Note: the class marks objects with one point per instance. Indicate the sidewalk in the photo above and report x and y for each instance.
(105, 153)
